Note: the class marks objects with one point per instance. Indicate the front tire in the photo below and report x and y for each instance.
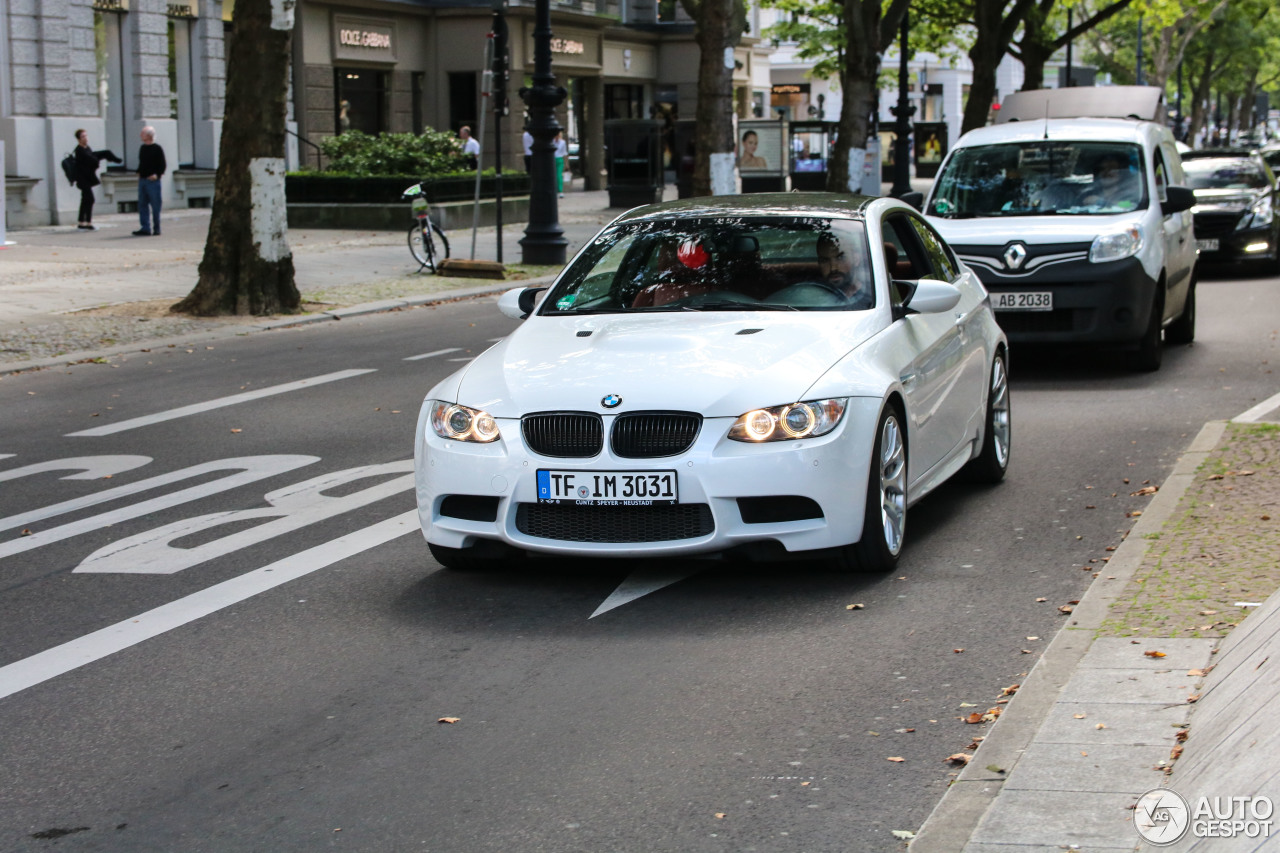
(1150, 352)
(422, 247)
(992, 463)
(1183, 330)
(884, 522)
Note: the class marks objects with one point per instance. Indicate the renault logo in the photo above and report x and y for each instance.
(1015, 255)
(612, 401)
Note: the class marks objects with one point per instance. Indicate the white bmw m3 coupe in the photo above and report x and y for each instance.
(764, 376)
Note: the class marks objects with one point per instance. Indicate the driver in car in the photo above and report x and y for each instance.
(844, 269)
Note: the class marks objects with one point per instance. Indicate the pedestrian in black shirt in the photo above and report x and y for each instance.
(151, 167)
(87, 162)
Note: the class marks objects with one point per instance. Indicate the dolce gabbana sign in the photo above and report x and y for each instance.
(364, 39)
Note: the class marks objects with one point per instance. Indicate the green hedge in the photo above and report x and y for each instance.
(358, 153)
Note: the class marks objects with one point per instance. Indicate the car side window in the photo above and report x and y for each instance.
(944, 266)
(904, 258)
(1162, 177)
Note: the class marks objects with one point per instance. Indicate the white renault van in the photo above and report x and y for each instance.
(1071, 210)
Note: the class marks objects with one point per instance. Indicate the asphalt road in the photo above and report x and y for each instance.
(183, 674)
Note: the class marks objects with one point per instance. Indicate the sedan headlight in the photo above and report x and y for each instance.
(1260, 215)
(784, 423)
(461, 423)
(1116, 245)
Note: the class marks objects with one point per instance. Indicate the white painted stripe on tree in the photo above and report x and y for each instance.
(268, 225)
(282, 14)
(221, 402)
(1252, 416)
(51, 663)
(432, 354)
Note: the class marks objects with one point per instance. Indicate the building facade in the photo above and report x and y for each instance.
(114, 66)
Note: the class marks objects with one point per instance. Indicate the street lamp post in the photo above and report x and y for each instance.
(544, 241)
(500, 71)
(903, 112)
(1139, 69)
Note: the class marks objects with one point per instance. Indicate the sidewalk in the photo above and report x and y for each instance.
(1149, 658)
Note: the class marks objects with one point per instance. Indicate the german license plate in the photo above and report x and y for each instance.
(1207, 245)
(1037, 301)
(608, 488)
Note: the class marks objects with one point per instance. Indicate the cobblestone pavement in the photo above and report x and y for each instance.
(1220, 547)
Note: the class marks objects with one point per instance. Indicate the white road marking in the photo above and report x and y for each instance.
(90, 467)
(222, 402)
(249, 469)
(468, 358)
(432, 354)
(51, 663)
(639, 584)
(292, 508)
(6, 455)
(1252, 416)
(495, 340)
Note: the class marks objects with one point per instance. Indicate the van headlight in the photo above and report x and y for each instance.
(462, 423)
(1116, 245)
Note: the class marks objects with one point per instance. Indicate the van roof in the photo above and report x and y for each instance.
(1065, 129)
(1144, 103)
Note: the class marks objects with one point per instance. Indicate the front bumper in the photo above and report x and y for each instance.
(1231, 247)
(494, 487)
(1107, 303)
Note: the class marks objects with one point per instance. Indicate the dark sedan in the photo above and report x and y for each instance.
(1235, 217)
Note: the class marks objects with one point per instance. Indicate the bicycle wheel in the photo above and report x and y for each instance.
(442, 242)
(422, 247)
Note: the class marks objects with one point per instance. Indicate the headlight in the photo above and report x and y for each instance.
(1259, 215)
(460, 423)
(1117, 245)
(783, 423)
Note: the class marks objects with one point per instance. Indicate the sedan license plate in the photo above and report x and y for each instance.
(608, 488)
(1038, 301)
(1207, 245)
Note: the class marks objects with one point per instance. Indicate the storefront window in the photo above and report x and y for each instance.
(623, 100)
(360, 102)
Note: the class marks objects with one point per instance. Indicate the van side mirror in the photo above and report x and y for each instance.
(1177, 199)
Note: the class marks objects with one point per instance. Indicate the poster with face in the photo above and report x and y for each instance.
(760, 148)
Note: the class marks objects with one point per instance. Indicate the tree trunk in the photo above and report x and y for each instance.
(1036, 47)
(247, 266)
(1199, 96)
(719, 27)
(858, 78)
(995, 31)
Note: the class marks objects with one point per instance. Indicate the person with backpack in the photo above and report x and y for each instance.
(151, 166)
(85, 177)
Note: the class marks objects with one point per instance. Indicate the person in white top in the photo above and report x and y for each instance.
(470, 147)
(562, 158)
(527, 139)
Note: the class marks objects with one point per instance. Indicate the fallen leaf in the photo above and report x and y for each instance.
(1193, 698)
(1033, 638)
(235, 429)
(1100, 726)
(720, 815)
(855, 606)
(805, 784)
(1080, 716)
(1208, 613)
(995, 768)
(990, 716)
(903, 834)
(967, 705)
(26, 531)
(1041, 600)
(1197, 673)
(896, 759)
(1066, 608)
(904, 731)
(1111, 547)
(448, 719)
(1175, 753)
(1027, 652)
(1010, 690)
(958, 758)
(973, 719)
(1143, 492)
(1085, 754)
(957, 651)
(1152, 653)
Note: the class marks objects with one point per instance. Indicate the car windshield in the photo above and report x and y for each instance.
(1224, 173)
(719, 264)
(1040, 178)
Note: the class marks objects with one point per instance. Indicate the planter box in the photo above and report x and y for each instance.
(320, 189)
(398, 216)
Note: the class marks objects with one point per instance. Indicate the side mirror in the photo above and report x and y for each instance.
(931, 296)
(1177, 199)
(520, 302)
(915, 199)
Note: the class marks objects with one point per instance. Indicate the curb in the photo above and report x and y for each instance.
(236, 330)
(956, 816)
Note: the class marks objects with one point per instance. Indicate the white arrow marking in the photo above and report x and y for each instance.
(51, 663)
(641, 583)
(217, 404)
(90, 467)
(432, 354)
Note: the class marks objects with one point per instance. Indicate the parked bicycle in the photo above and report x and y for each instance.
(427, 242)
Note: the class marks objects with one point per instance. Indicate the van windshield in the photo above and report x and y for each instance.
(1041, 178)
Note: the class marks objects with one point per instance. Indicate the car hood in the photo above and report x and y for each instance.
(1224, 199)
(712, 363)
(989, 231)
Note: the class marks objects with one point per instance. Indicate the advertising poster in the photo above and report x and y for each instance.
(931, 147)
(761, 148)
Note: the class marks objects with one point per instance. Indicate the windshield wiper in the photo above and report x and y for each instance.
(729, 305)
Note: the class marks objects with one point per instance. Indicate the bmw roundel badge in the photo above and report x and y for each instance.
(612, 401)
